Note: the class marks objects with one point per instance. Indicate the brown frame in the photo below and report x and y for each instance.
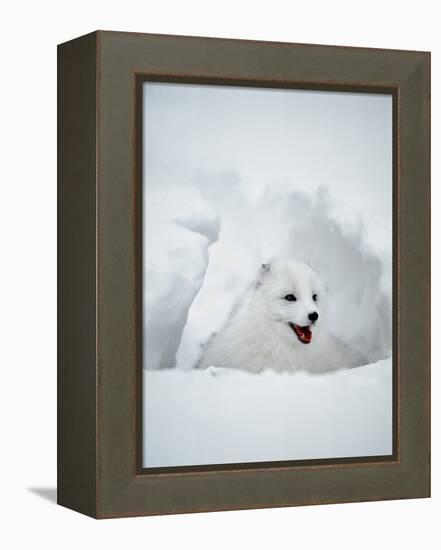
(99, 391)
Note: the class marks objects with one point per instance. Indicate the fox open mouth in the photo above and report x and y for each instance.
(304, 334)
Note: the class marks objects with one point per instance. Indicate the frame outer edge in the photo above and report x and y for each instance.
(120, 491)
(77, 378)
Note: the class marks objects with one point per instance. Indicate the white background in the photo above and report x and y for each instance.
(29, 33)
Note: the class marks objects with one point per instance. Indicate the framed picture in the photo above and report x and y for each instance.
(244, 268)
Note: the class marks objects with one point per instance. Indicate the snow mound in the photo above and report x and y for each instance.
(227, 416)
(179, 225)
(285, 223)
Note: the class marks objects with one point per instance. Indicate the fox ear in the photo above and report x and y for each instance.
(264, 269)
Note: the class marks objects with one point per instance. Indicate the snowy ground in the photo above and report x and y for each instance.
(226, 416)
(221, 197)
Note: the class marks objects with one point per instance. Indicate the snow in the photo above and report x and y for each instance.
(286, 223)
(217, 204)
(226, 416)
(176, 240)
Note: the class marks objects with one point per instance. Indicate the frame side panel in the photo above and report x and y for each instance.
(414, 275)
(77, 274)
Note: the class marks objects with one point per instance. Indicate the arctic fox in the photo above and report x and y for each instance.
(281, 324)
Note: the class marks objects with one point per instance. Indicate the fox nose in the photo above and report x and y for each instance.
(313, 316)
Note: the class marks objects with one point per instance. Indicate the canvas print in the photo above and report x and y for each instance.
(267, 274)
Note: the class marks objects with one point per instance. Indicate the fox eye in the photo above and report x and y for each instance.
(314, 297)
(290, 298)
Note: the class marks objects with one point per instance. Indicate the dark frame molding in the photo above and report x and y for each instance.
(100, 267)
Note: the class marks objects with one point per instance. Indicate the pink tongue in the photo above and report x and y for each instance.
(305, 333)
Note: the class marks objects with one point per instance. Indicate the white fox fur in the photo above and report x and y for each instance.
(260, 333)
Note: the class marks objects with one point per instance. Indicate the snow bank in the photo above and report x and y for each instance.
(227, 416)
(178, 228)
(286, 223)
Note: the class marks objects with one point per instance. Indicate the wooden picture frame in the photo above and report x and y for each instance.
(100, 338)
